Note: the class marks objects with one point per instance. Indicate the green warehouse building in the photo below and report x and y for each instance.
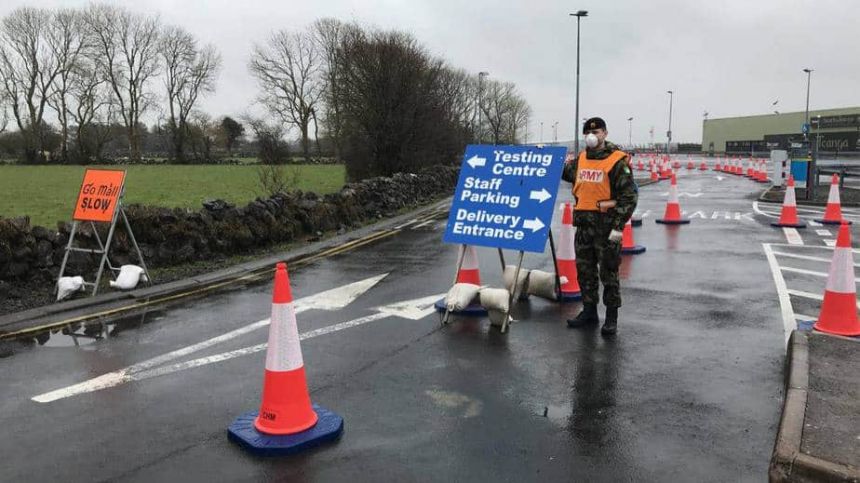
(836, 131)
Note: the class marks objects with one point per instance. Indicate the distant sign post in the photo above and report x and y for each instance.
(505, 199)
(100, 201)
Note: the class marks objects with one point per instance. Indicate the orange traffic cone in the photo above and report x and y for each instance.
(691, 164)
(566, 257)
(762, 173)
(788, 215)
(468, 273)
(672, 216)
(833, 212)
(839, 308)
(286, 422)
(718, 167)
(703, 166)
(628, 245)
(654, 175)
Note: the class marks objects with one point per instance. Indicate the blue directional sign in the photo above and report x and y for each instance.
(804, 128)
(505, 197)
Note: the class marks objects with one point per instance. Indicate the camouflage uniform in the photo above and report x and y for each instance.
(592, 243)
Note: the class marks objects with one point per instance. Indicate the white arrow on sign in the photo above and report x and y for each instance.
(541, 195)
(533, 225)
(334, 299)
(415, 309)
(476, 161)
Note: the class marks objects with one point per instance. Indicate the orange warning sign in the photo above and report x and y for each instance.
(99, 195)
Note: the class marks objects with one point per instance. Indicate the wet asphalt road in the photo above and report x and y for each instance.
(690, 389)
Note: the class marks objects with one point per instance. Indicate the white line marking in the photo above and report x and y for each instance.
(788, 321)
(804, 318)
(809, 295)
(814, 223)
(808, 272)
(415, 309)
(830, 243)
(760, 212)
(329, 300)
(823, 232)
(819, 247)
(792, 236)
(423, 224)
(806, 257)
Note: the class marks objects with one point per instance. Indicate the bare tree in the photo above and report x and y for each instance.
(127, 54)
(288, 69)
(69, 44)
(505, 111)
(92, 112)
(28, 67)
(189, 72)
(329, 34)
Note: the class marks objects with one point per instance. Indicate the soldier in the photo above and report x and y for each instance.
(606, 197)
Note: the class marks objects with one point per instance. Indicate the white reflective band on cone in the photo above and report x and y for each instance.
(470, 259)
(790, 200)
(833, 197)
(673, 195)
(283, 352)
(841, 276)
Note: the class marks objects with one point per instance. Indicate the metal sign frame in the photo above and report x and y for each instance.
(104, 248)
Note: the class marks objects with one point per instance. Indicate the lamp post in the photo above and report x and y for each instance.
(555, 132)
(579, 14)
(541, 132)
(481, 76)
(629, 132)
(808, 80)
(669, 132)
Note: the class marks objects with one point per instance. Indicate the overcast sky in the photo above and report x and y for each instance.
(729, 58)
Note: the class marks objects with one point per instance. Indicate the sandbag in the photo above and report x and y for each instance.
(461, 296)
(496, 301)
(128, 278)
(68, 285)
(542, 284)
(522, 283)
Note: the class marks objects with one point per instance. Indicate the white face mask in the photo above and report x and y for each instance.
(591, 140)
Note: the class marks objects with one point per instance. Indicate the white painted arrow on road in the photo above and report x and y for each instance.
(476, 161)
(541, 195)
(533, 225)
(334, 299)
(415, 309)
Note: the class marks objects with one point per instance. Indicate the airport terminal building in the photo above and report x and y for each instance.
(836, 131)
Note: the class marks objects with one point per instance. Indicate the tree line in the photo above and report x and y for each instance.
(78, 83)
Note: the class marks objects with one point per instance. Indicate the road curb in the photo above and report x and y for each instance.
(788, 463)
(113, 304)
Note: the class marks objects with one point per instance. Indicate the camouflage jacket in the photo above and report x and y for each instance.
(622, 186)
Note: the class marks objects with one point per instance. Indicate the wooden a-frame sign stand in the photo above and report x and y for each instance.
(100, 201)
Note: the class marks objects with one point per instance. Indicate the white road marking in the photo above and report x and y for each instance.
(818, 247)
(760, 212)
(830, 243)
(415, 309)
(808, 272)
(792, 236)
(423, 224)
(823, 232)
(782, 292)
(806, 257)
(809, 295)
(333, 299)
(804, 318)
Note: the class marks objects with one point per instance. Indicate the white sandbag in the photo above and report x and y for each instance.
(129, 277)
(542, 284)
(522, 282)
(461, 296)
(495, 300)
(69, 285)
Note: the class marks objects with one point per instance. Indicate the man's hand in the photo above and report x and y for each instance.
(615, 236)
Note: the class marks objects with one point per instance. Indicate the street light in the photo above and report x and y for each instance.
(629, 132)
(669, 132)
(481, 76)
(808, 79)
(579, 14)
(555, 132)
(541, 132)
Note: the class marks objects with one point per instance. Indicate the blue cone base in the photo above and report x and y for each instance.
(673, 222)
(828, 222)
(805, 325)
(634, 250)
(473, 310)
(328, 428)
(570, 296)
(636, 222)
(789, 225)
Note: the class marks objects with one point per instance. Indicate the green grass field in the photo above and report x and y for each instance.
(47, 194)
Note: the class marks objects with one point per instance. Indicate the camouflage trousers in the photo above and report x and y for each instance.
(596, 255)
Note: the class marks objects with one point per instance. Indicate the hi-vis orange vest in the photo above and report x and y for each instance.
(592, 180)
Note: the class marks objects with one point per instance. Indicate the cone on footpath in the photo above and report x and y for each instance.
(469, 273)
(788, 215)
(833, 212)
(672, 215)
(839, 309)
(628, 245)
(287, 421)
(566, 257)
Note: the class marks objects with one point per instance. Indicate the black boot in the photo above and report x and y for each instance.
(610, 327)
(588, 316)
